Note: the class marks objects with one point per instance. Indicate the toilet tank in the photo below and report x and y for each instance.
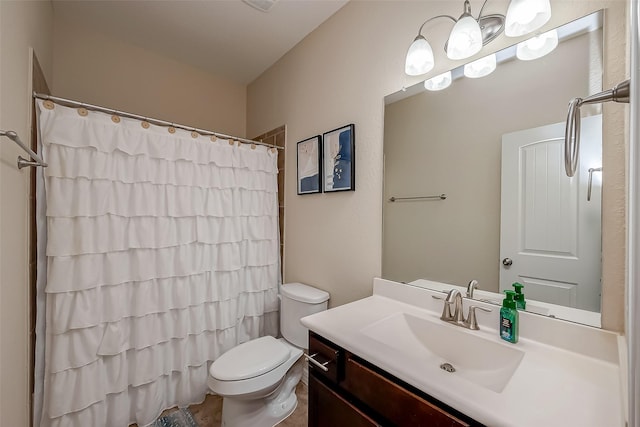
(299, 300)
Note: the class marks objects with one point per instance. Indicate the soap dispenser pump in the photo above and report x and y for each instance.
(509, 318)
(521, 304)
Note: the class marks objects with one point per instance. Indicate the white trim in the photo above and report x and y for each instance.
(633, 227)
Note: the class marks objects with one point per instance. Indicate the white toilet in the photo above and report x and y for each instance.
(257, 379)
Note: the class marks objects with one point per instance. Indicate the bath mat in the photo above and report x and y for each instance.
(180, 418)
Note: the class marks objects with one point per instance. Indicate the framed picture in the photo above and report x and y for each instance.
(338, 149)
(309, 176)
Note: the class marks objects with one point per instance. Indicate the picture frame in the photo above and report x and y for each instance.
(338, 159)
(309, 157)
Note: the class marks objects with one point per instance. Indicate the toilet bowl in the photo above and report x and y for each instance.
(257, 379)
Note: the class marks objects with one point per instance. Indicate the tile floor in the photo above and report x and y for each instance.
(209, 412)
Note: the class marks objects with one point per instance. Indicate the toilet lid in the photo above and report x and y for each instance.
(250, 359)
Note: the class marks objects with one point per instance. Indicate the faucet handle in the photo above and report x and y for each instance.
(446, 310)
(472, 322)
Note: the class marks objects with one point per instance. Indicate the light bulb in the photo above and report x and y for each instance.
(419, 57)
(465, 39)
(439, 82)
(537, 47)
(481, 67)
(526, 16)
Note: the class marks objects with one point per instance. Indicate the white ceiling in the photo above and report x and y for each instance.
(225, 37)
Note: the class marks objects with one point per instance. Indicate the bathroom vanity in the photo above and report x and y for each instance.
(353, 392)
(385, 359)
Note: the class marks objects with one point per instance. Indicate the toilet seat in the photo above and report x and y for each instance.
(255, 384)
(250, 359)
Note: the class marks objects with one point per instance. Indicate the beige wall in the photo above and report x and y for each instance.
(340, 74)
(451, 142)
(93, 68)
(337, 75)
(23, 24)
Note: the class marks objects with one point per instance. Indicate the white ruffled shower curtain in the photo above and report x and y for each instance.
(162, 253)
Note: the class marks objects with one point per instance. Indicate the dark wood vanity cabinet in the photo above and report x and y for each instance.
(327, 408)
(353, 392)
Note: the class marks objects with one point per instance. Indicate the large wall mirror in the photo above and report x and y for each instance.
(474, 183)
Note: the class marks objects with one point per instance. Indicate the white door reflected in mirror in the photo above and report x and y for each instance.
(548, 228)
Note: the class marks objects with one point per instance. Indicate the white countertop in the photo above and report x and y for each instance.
(569, 376)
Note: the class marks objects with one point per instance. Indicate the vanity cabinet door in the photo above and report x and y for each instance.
(392, 401)
(328, 409)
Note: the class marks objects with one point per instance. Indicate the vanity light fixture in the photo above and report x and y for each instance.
(526, 16)
(419, 57)
(465, 39)
(481, 67)
(469, 34)
(439, 82)
(537, 47)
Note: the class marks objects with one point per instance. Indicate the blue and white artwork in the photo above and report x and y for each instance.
(309, 166)
(339, 166)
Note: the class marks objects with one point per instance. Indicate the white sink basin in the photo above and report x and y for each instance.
(483, 362)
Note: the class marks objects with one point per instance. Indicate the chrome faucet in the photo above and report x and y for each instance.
(454, 298)
(472, 286)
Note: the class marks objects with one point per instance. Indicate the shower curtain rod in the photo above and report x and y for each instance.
(72, 103)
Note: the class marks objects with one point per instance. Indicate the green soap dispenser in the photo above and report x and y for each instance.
(509, 318)
(521, 304)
